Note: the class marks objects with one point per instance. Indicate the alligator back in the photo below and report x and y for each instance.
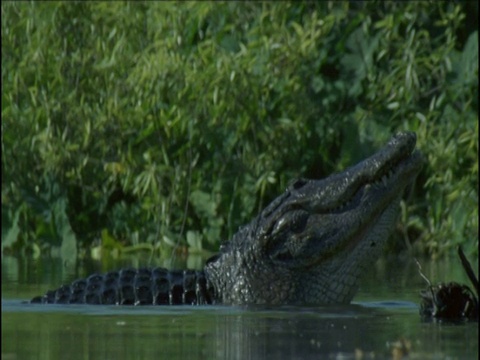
(135, 287)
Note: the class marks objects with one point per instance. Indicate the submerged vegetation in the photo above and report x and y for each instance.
(168, 125)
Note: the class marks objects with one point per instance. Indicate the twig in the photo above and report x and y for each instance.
(468, 268)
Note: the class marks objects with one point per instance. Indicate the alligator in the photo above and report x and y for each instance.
(309, 246)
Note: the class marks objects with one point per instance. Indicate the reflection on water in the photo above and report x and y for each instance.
(384, 315)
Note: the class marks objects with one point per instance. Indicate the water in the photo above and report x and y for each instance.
(383, 322)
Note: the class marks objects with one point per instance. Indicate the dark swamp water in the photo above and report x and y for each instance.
(382, 322)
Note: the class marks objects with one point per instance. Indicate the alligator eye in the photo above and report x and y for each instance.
(298, 184)
(212, 259)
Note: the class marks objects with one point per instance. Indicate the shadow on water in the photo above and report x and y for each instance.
(380, 328)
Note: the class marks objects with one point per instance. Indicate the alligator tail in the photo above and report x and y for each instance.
(157, 286)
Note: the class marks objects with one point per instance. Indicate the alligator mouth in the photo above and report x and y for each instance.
(391, 168)
(391, 178)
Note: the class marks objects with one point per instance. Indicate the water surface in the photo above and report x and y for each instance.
(383, 322)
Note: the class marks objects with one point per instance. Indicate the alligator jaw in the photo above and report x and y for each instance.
(311, 244)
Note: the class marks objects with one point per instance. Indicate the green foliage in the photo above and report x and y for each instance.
(173, 124)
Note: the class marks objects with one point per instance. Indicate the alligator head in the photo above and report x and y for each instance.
(309, 245)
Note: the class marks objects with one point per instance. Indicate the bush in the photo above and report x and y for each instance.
(167, 124)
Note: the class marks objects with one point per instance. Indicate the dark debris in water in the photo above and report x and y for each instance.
(451, 301)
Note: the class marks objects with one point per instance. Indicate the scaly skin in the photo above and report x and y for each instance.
(309, 246)
(134, 287)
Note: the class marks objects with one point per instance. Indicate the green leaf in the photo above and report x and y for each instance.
(10, 229)
(194, 241)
